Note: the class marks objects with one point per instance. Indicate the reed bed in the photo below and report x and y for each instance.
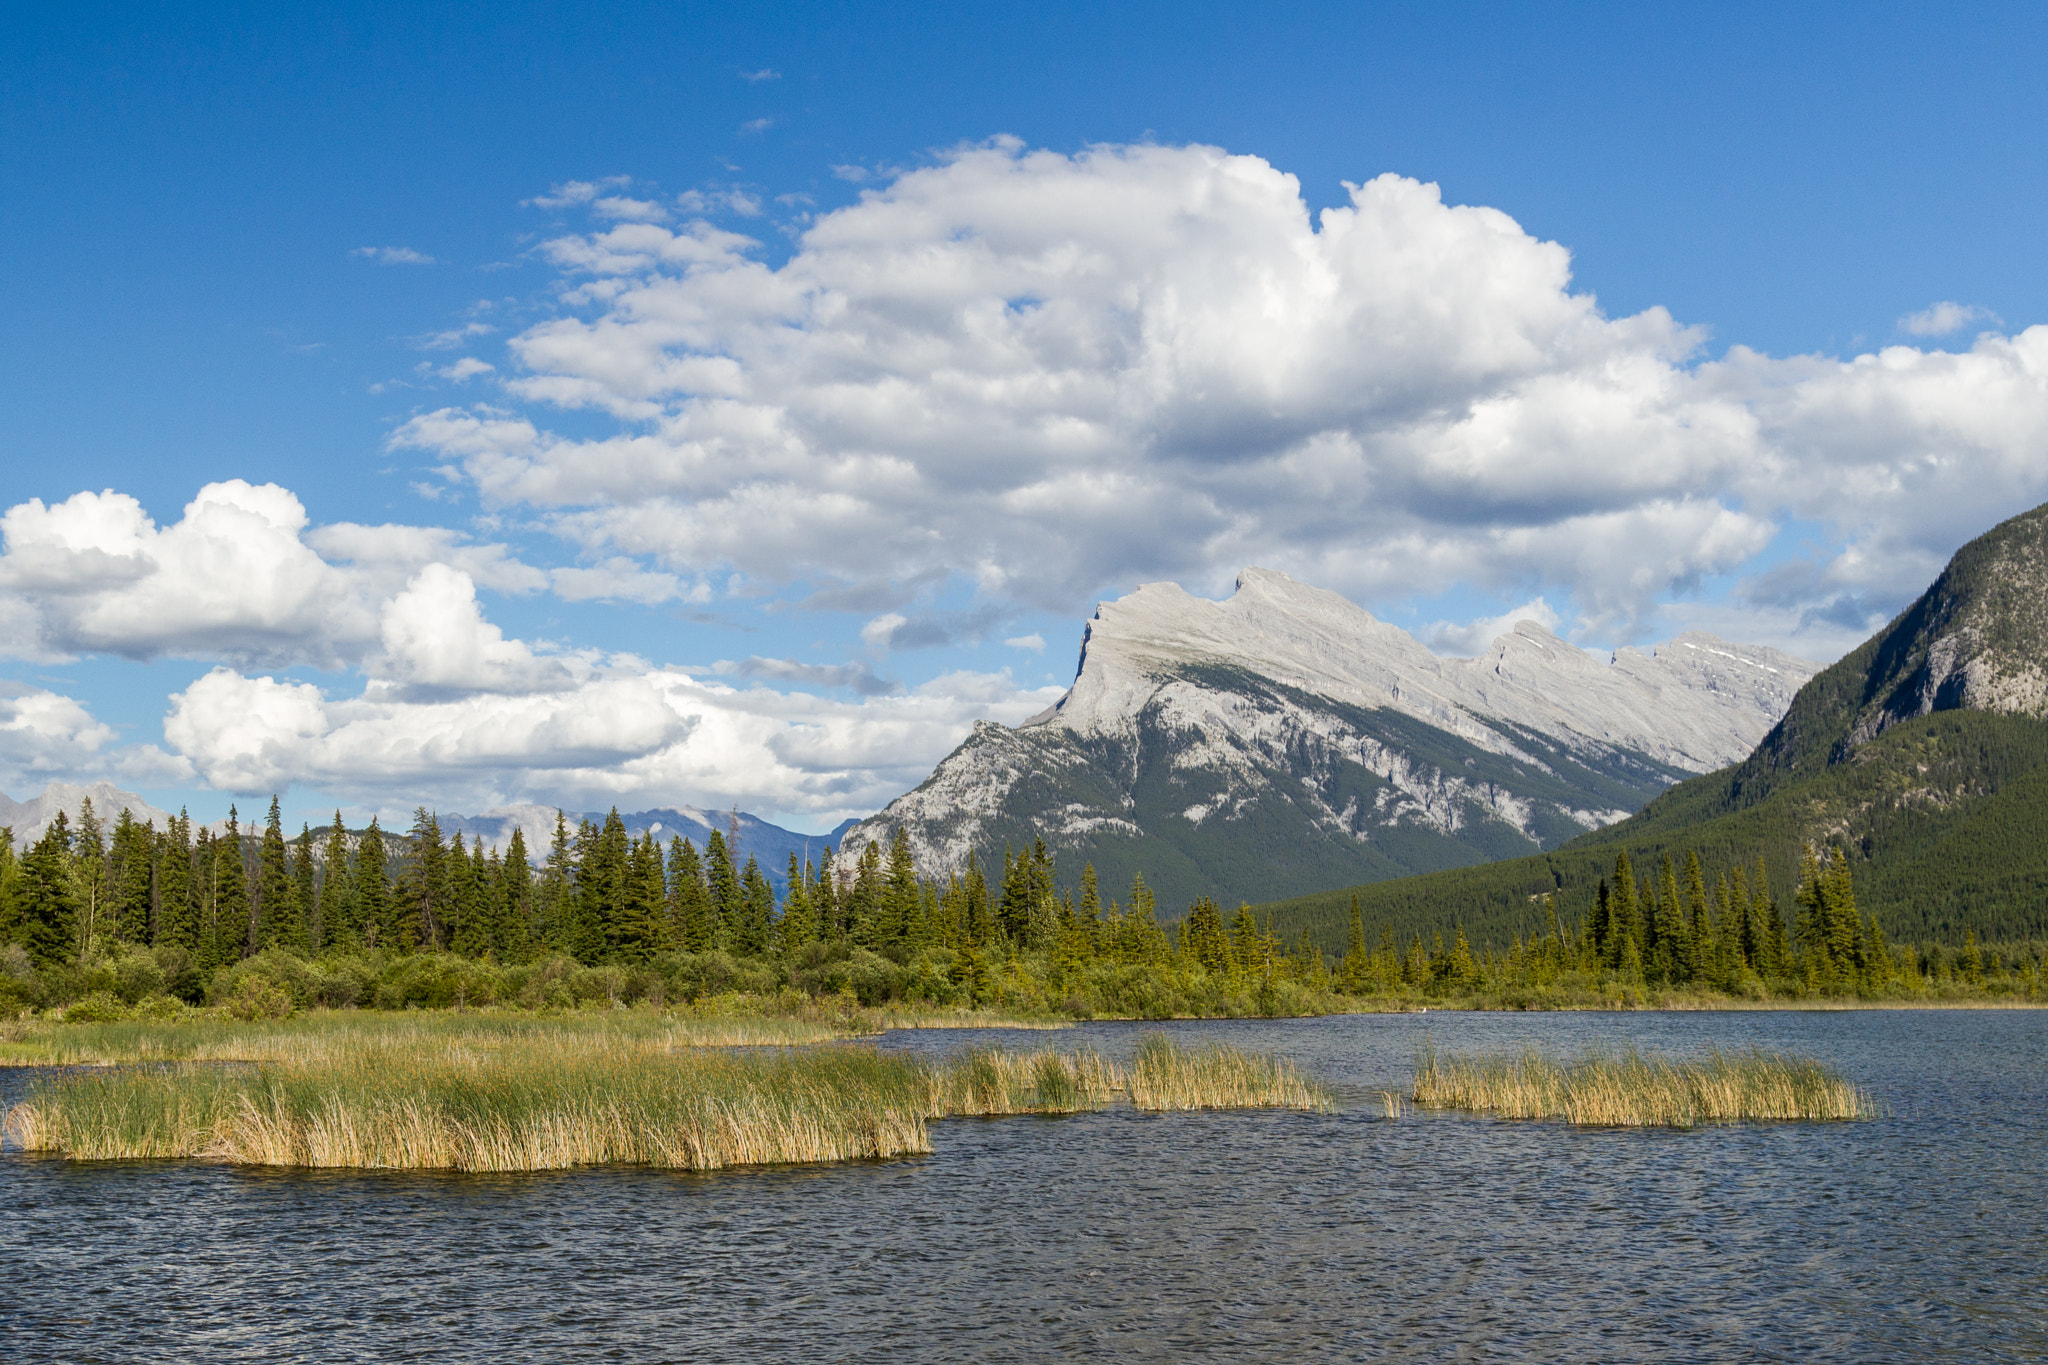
(554, 1101)
(1217, 1076)
(1633, 1091)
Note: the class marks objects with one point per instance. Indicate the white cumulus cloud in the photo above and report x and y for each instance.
(1045, 374)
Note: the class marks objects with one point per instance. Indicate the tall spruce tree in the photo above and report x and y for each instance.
(335, 919)
(376, 916)
(231, 910)
(757, 911)
(514, 938)
(696, 927)
(796, 928)
(45, 909)
(283, 925)
(132, 860)
(89, 879)
(177, 920)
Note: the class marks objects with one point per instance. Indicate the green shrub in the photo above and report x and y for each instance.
(100, 1007)
(257, 997)
(437, 981)
(137, 974)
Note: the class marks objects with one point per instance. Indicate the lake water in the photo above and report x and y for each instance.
(1267, 1236)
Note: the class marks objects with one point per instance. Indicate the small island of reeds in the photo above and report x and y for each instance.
(1630, 1090)
(435, 1099)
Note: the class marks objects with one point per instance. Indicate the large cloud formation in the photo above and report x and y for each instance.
(1008, 379)
(1047, 373)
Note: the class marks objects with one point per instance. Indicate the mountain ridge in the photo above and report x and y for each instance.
(1922, 754)
(1287, 733)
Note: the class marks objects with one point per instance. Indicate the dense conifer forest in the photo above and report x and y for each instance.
(98, 919)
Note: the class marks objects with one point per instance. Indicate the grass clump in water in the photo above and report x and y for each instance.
(1217, 1076)
(1633, 1091)
(548, 1100)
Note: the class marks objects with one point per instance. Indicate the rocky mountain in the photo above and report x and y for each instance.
(28, 819)
(1923, 754)
(1285, 740)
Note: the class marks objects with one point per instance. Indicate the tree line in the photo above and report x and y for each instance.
(1671, 930)
(598, 894)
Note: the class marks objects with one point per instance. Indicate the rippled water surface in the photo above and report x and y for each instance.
(1919, 1236)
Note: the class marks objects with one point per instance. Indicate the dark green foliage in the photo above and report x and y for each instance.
(374, 911)
(43, 912)
(278, 916)
(336, 923)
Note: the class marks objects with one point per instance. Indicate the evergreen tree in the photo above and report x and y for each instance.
(757, 911)
(281, 925)
(1354, 965)
(797, 927)
(1013, 916)
(421, 899)
(1772, 961)
(376, 915)
(1088, 912)
(644, 918)
(864, 898)
(513, 938)
(133, 878)
(1697, 931)
(1670, 948)
(554, 898)
(465, 914)
(89, 879)
(696, 924)
(722, 882)
(177, 920)
(1247, 944)
(305, 888)
(825, 905)
(977, 911)
(901, 897)
(45, 910)
(1205, 941)
(335, 919)
(231, 909)
(1972, 960)
(601, 876)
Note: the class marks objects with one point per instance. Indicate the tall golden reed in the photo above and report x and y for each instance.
(581, 1099)
(1633, 1091)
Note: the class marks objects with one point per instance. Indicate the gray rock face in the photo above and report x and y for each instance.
(30, 818)
(1976, 640)
(1284, 740)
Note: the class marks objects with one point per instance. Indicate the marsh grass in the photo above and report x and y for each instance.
(1633, 1091)
(1164, 1076)
(540, 1100)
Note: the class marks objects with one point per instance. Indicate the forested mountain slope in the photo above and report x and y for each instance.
(1923, 754)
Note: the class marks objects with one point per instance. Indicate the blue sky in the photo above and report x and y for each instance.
(259, 246)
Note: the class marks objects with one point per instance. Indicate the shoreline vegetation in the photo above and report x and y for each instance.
(1630, 1090)
(553, 1097)
(247, 925)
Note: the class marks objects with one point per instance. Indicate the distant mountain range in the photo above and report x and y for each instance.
(769, 843)
(28, 819)
(1285, 741)
(1923, 754)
